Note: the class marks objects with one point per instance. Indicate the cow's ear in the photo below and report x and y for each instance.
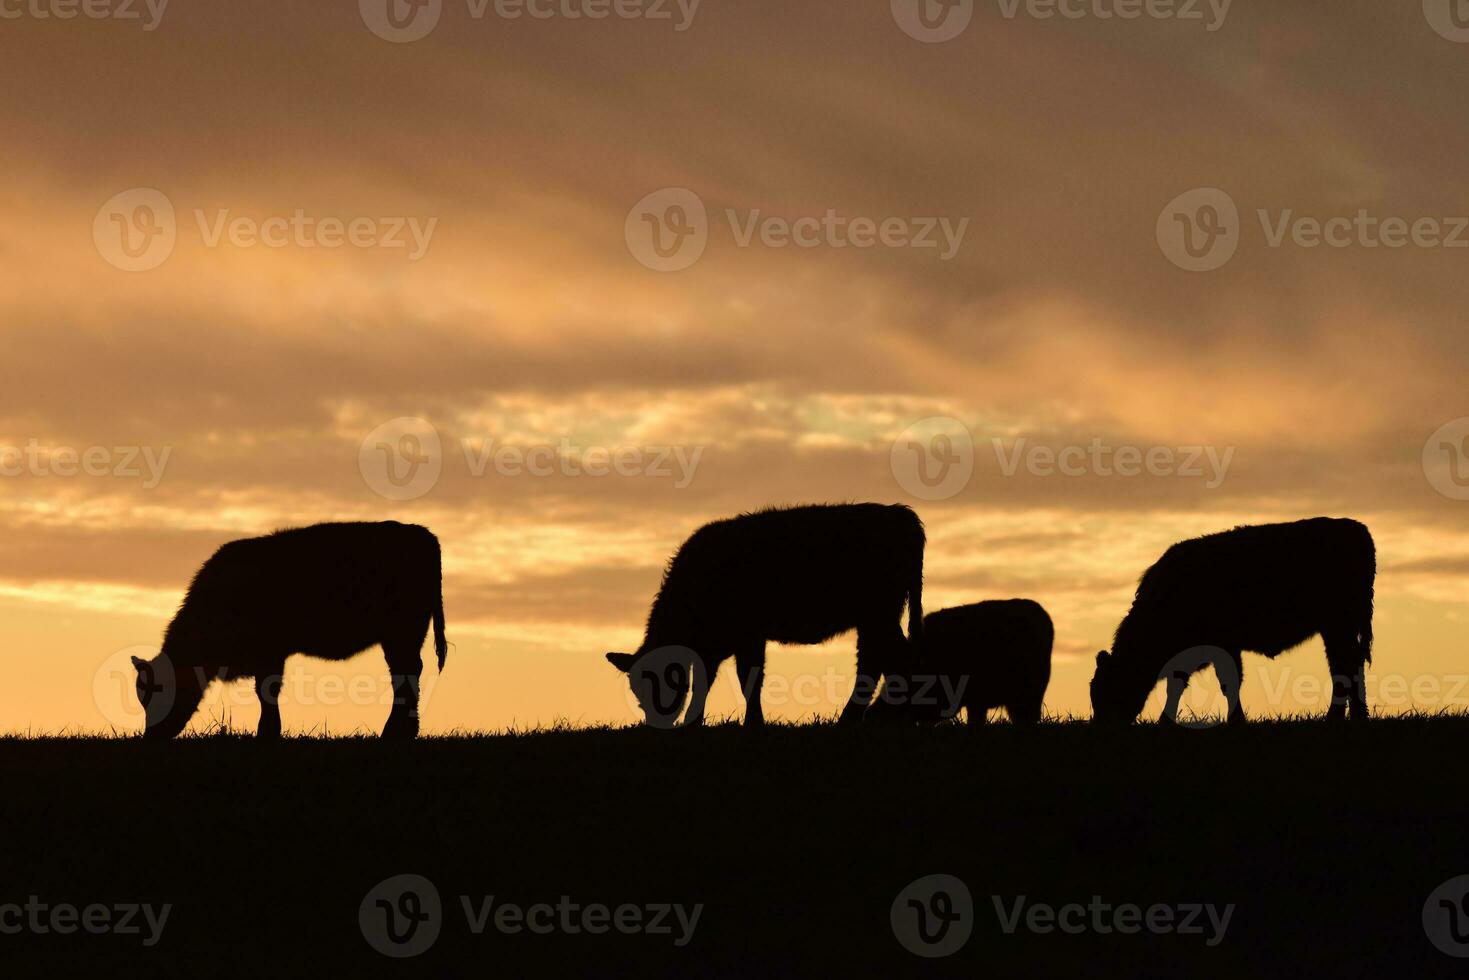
(1102, 657)
(139, 663)
(622, 661)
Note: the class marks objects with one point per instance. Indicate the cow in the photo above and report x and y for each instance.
(1265, 588)
(328, 591)
(792, 575)
(994, 654)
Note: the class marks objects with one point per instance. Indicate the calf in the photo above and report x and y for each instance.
(1264, 588)
(329, 591)
(793, 575)
(985, 655)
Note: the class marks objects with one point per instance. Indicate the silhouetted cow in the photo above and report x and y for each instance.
(793, 575)
(985, 655)
(329, 591)
(1266, 589)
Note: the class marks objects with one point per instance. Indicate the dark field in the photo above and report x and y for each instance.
(1327, 840)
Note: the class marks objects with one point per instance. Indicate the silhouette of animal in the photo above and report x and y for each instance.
(329, 591)
(793, 575)
(1264, 588)
(994, 654)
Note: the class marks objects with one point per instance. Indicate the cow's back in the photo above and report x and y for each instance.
(1263, 587)
(1011, 632)
(797, 572)
(327, 589)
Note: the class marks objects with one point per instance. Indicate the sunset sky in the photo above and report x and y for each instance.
(528, 153)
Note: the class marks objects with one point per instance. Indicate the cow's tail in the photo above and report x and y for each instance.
(1364, 632)
(915, 595)
(441, 645)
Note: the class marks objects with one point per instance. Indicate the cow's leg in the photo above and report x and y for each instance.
(1026, 712)
(750, 664)
(268, 690)
(878, 650)
(405, 664)
(976, 715)
(701, 680)
(1345, 657)
(1232, 688)
(1177, 682)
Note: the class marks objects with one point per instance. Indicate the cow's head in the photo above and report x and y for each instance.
(1118, 694)
(658, 681)
(166, 708)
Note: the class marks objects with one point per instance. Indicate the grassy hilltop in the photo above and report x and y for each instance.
(795, 839)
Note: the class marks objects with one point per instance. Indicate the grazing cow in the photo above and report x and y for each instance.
(985, 655)
(329, 591)
(793, 575)
(1265, 588)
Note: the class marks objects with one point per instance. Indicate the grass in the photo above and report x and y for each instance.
(796, 840)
